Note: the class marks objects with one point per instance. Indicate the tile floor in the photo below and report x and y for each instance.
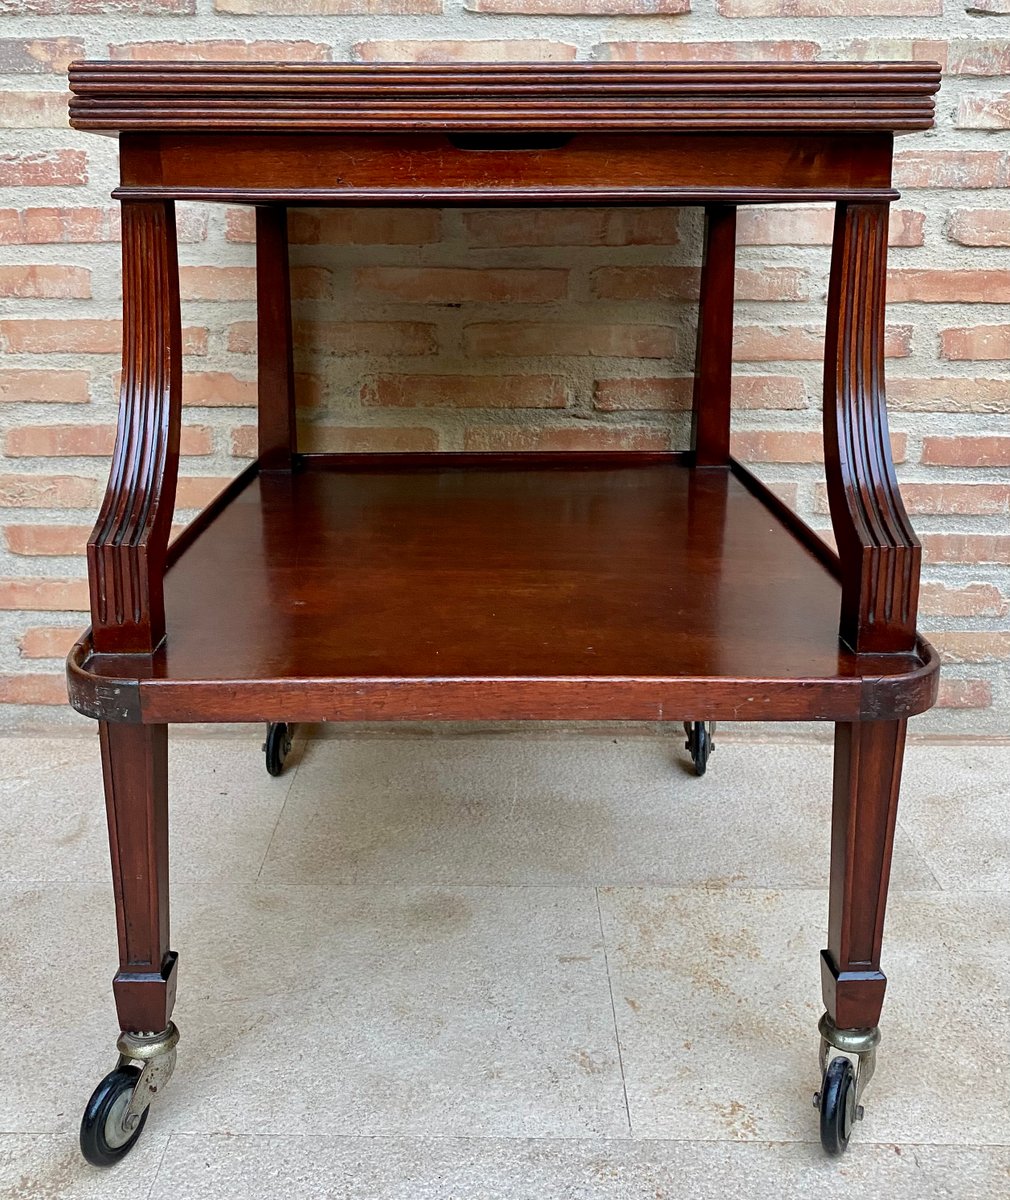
(523, 967)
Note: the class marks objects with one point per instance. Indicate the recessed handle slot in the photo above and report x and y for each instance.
(509, 141)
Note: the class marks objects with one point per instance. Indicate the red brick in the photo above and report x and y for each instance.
(465, 391)
(952, 394)
(677, 51)
(979, 227)
(988, 8)
(829, 8)
(983, 58)
(44, 387)
(950, 169)
(674, 395)
(569, 438)
(47, 641)
(100, 8)
(339, 439)
(941, 499)
(966, 547)
(506, 50)
(643, 395)
(218, 389)
(367, 226)
(957, 646)
(55, 441)
(581, 8)
(197, 491)
(966, 451)
(807, 225)
(763, 445)
(964, 693)
(947, 287)
(217, 283)
(449, 285)
(222, 50)
(366, 337)
(48, 491)
(33, 110)
(45, 282)
(682, 283)
(895, 50)
(800, 343)
(39, 56)
(573, 227)
(982, 343)
(329, 8)
(34, 689)
(44, 168)
(553, 338)
(975, 600)
(38, 226)
(48, 540)
(961, 57)
(83, 336)
(984, 112)
(974, 499)
(44, 595)
(348, 227)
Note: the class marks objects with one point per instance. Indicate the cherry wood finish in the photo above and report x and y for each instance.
(867, 777)
(135, 767)
(430, 168)
(654, 97)
(508, 587)
(713, 365)
(126, 550)
(613, 586)
(879, 552)
(278, 435)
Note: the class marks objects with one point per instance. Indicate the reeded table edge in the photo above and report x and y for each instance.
(629, 97)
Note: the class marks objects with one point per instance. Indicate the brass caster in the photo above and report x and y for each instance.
(848, 1058)
(117, 1111)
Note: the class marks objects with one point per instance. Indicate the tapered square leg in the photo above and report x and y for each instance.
(867, 776)
(135, 768)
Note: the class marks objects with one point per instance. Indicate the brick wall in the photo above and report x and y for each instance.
(485, 330)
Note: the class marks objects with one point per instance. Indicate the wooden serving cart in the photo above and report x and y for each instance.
(493, 587)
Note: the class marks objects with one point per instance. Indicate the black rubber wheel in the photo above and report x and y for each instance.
(699, 743)
(277, 746)
(838, 1105)
(103, 1139)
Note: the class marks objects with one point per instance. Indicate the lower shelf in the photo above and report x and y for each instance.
(628, 587)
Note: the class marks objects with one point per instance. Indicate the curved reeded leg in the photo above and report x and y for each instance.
(126, 566)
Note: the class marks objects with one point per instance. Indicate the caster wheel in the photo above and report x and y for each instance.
(277, 746)
(104, 1141)
(699, 743)
(837, 1105)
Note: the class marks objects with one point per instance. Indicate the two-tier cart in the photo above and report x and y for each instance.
(493, 587)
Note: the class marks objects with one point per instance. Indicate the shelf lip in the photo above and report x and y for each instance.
(507, 197)
(124, 688)
(834, 684)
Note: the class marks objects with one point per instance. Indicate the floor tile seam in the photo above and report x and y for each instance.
(613, 1010)
(157, 1169)
(920, 855)
(292, 775)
